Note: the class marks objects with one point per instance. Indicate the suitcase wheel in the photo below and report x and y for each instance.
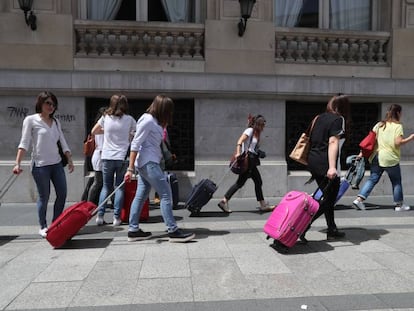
(279, 247)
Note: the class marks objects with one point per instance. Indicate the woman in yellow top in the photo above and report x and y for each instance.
(386, 158)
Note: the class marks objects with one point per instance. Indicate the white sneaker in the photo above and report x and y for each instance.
(359, 205)
(402, 208)
(99, 220)
(117, 222)
(43, 232)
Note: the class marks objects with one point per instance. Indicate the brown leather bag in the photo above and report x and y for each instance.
(240, 164)
(301, 150)
(89, 146)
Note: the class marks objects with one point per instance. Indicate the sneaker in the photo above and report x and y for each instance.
(402, 208)
(266, 207)
(181, 236)
(359, 205)
(224, 206)
(138, 235)
(334, 235)
(43, 232)
(99, 220)
(116, 222)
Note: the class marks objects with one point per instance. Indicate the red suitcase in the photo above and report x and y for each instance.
(290, 218)
(72, 220)
(130, 190)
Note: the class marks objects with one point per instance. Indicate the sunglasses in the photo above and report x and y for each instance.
(50, 103)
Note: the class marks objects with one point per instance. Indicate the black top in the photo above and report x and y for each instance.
(328, 124)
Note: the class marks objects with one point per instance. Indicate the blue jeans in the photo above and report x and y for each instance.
(151, 174)
(394, 173)
(112, 169)
(43, 176)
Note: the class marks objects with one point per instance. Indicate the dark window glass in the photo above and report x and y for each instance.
(181, 132)
(156, 11)
(363, 117)
(309, 15)
(127, 11)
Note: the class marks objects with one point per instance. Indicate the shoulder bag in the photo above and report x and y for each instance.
(239, 165)
(59, 145)
(89, 146)
(367, 145)
(301, 150)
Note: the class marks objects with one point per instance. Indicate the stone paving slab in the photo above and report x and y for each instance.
(229, 266)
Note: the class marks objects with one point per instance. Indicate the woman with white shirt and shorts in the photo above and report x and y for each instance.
(118, 128)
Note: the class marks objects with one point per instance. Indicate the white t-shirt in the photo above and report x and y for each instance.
(117, 133)
(96, 157)
(43, 139)
(147, 140)
(249, 140)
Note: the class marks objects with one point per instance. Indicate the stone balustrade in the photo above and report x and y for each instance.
(139, 39)
(186, 41)
(302, 45)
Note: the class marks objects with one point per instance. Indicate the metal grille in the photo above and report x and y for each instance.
(181, 132)
(362, 118)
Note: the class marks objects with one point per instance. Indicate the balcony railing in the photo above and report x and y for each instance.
(300, 45)
(139, 39)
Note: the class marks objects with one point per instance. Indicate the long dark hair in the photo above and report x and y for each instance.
(162, 109)
(256, 122)
(42, 97)
(340, 105)
(393, 115)
(118, 105)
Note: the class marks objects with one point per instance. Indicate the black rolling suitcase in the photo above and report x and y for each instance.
(200, 195)
(203, 192)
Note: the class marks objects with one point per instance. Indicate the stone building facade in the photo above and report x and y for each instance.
(215, 76)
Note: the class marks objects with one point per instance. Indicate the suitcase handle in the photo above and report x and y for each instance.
(107, 198)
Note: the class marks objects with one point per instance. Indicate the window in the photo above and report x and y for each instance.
(332, 14)
(363, 117)
(181, 132)
(185, 11)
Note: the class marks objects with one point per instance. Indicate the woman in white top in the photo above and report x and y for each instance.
(42, 131)
(249, 141)
(118, 128)
(96, 187)
(147, 142)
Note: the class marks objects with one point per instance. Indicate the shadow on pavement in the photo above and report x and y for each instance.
(4, 239)
(355, 236)
(86, 243)
(209, 214)
(369, 206)
(200, 233)
(93, 229)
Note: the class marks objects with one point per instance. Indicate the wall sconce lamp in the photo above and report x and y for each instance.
(26, 7)
(246, 7)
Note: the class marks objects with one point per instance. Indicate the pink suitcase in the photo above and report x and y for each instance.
(290, 218)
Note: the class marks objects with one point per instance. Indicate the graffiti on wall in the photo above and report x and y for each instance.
(22, 112)
(17, 112)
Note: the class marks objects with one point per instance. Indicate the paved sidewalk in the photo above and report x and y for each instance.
(229, 266)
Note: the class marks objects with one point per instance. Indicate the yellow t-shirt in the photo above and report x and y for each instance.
(388, 153)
